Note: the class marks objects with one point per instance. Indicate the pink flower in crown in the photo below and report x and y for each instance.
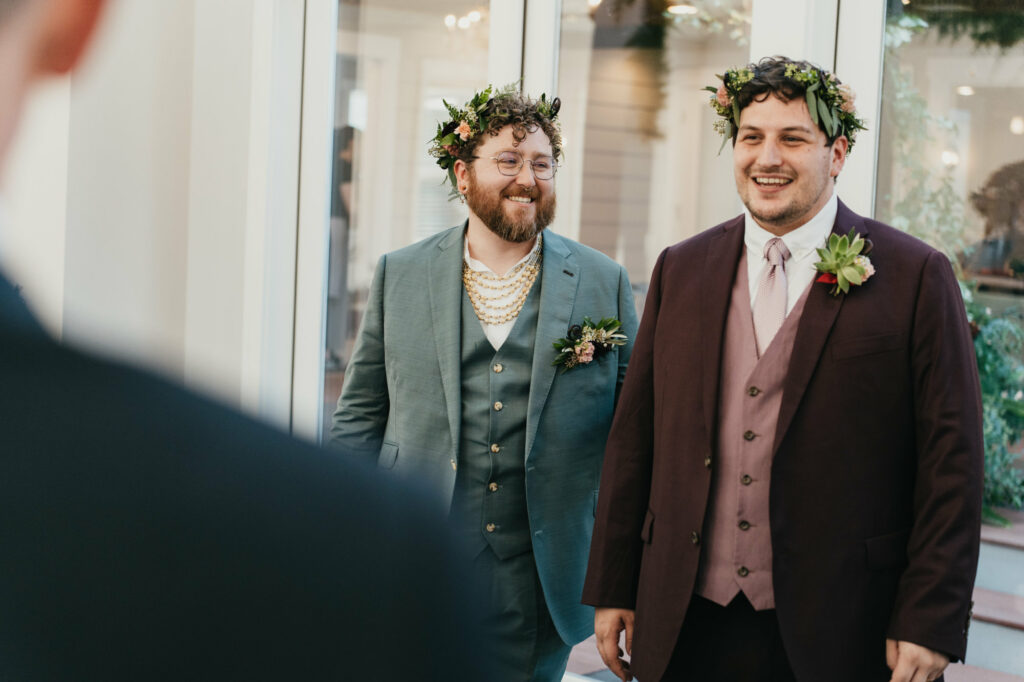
(723, 98)
(584, 352)
(849, 96)
(464, 131)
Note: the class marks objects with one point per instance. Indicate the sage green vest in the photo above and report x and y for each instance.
(489, 501)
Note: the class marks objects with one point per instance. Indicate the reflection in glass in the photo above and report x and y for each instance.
(951, 171)
(396, 60)
(642, 168)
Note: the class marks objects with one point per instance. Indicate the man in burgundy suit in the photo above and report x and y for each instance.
(792, 483)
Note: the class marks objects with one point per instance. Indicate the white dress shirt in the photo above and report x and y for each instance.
(496, 333)
(802, 243)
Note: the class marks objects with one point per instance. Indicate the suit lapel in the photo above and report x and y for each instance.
(719, 276)
(559, 279)
(445, 283)
(819, 315)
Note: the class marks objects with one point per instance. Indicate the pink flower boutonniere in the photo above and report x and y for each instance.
(845, 262)
(587, 342)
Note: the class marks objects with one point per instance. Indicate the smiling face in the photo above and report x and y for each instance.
(784, 170)
(517, 207)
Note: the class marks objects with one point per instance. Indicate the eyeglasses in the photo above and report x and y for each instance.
(510, 163)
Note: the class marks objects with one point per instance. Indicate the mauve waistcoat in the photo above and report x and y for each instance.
(737, 546)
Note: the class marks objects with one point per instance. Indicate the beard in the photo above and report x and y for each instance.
(489, 207)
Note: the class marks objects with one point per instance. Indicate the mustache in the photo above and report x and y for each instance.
(522, 191)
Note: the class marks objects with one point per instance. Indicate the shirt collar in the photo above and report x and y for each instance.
(476, 265)
(804, 239)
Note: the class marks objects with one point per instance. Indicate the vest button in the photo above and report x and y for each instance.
(498, 406)
(495, 448)
(454, 465)
(753, 391)
(490, 527)
(749, 435)
(695, 537)
(742, 571)
(707, 461)
(493, 487)
(745, 479)
(498, 368)
(744, 525)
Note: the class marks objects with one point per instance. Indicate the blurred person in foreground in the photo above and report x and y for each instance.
(149, 534)
(792, 486)
(488, 364)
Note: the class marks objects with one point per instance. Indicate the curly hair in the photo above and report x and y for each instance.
(519, 111)
(770, 79)
(1000, 198)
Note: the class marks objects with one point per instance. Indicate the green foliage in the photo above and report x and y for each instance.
(999, 346)
(841, 259)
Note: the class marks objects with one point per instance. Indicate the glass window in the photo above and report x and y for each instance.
(396, 60)
(642, 168)
(951, 152)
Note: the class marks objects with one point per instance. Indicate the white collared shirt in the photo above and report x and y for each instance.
(802, 244)
(496, 333)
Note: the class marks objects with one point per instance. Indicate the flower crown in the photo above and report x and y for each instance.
(830, 103)
(467, 123)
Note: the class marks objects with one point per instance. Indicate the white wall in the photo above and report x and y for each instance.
(154, 195)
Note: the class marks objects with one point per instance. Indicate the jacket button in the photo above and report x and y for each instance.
(749, 435)
(495, 448)
(490, 527)
(695, 537)
(498, 406)
(493, 487)
(498, 368)
(745, 479)
(707, 461)
(454, 465)
(753, 391)
(744, 525)
(742, 571)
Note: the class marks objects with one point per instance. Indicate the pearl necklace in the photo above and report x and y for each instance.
(486, 288)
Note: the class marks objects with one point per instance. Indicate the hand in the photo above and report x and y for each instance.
(912, 662)
(608, 623)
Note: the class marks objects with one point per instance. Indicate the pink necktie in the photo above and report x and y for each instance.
(770, 304)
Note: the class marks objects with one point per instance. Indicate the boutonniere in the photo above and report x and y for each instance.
(588, 341)
(844, 262)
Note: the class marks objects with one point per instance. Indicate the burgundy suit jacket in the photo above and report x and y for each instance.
(875, 494)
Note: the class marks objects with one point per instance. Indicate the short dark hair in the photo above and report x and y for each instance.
(523, 114)
(771, 80)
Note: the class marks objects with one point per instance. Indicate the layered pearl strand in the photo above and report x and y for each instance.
(486, 289)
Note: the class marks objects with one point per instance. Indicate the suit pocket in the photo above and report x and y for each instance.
(865, 345)
(648, 528)
(887, 551)
(388, 455)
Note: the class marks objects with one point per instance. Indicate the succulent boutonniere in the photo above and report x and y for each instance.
(844, 262)
(586, 342)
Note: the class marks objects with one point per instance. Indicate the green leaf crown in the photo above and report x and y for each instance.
(467, 123)
(829, 101)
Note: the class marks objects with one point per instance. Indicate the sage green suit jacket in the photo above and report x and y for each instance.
(401, 401)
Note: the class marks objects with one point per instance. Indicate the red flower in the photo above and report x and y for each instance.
(827, 278)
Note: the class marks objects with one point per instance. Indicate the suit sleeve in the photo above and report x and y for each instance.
(614, 567)
(362, 412)
(627, 315)
(934, 595)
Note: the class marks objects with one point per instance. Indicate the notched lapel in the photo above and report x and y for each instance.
(816, 322)
(445, 283)
(560, 278)
(719, 275)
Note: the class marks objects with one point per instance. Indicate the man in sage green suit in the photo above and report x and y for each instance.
(453, 381)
